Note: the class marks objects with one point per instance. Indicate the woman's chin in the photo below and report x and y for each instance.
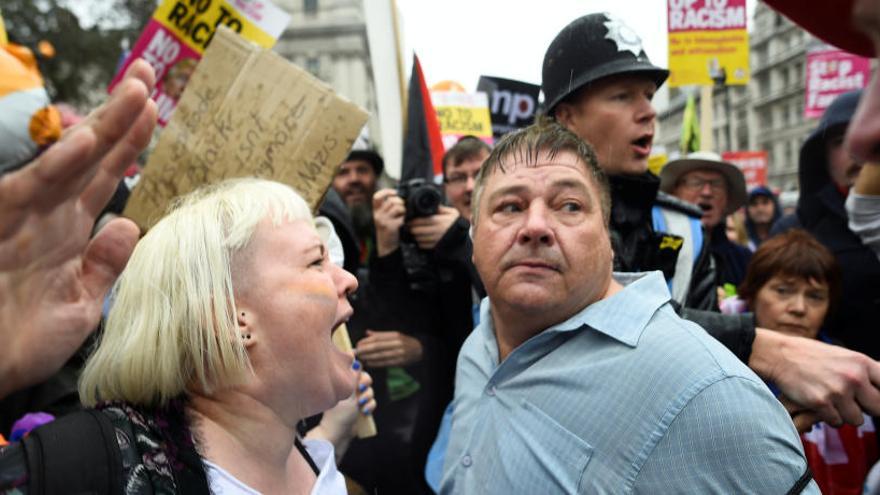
(344, 377)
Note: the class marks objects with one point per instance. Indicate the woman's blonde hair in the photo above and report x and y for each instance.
(173, 328)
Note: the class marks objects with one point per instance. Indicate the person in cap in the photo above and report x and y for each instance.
(719, 189)
(580, 380)
(826, 173)
(598, 82)
(762, 211)
(355, 182)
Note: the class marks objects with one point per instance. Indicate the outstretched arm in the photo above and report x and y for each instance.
(819, 381)
(53, 278)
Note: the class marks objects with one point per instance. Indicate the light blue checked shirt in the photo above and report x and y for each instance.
(624, 397)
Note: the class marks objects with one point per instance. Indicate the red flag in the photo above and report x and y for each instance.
(422, 142)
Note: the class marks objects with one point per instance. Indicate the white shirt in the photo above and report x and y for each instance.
(330, 481)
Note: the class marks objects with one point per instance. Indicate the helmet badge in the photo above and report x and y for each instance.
(622, 36)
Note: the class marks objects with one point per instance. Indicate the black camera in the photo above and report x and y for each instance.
(422, 199)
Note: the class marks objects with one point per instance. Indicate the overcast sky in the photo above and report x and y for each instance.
(462, 39)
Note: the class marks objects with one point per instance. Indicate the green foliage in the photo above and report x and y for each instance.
(86, 58)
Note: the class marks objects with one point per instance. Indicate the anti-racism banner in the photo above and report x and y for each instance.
(830, 73)
(708, 39)
(180, 30)
(512, 104)
(462, 114)
(752, 163)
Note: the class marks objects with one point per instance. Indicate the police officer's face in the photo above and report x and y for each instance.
(863, 138)
(616, 117)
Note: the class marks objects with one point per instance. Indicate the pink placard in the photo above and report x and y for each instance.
(172, 60)
(831, 72)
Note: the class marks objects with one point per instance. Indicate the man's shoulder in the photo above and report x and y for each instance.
(667, 335)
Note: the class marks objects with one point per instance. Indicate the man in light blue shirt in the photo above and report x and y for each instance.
(577, 381)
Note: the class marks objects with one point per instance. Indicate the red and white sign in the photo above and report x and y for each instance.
(752, 163)
(831, 72)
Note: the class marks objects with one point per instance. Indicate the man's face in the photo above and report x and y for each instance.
(540, 244)
(863, 137)
(355, 181)
(459, 184)
(615, 116)
(842, 167)
(761, 210)
(706, 189)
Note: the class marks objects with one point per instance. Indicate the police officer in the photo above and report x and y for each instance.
(598, 82)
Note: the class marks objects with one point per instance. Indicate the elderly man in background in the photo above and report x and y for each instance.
(719, 189)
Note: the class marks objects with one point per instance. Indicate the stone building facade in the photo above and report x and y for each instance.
(329, 39)
(768, 112)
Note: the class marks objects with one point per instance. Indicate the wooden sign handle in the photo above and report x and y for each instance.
(365, 426)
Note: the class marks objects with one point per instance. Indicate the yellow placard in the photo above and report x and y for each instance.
(464, 121)
(195, 22)
(708, 42)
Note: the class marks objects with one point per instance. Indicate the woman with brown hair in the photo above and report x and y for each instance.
(792, 285)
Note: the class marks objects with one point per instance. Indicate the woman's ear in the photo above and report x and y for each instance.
(243, 323)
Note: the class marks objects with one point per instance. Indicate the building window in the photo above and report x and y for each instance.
(310, 6)
(313, 65)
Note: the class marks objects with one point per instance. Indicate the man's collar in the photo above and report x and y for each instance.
(622, 316)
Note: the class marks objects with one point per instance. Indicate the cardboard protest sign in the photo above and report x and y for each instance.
(752, 163)
(180, 31)
(512, 104)
(830, 73)
(462, 114)
(706, 37)
(247, 112)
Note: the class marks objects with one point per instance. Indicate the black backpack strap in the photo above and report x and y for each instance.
(77, 453)
(802, 482)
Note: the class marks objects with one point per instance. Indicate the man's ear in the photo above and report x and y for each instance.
(564, 114)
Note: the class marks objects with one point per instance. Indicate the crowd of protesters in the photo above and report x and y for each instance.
(553, 318)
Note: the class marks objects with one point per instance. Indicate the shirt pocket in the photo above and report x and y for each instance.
(556, 457)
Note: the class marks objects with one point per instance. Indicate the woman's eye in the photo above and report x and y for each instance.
(317, 263)
(782, 290)
(571, 206)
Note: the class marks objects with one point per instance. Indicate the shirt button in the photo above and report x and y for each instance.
(491, 391)
(466, 461)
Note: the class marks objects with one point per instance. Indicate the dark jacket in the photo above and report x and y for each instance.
(820, 211)
(441, 315)
(633, 236)
(731, 259)
(777, 214)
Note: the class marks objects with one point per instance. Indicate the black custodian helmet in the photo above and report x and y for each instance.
(590, 48)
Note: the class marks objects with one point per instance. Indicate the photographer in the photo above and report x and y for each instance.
(422, 267)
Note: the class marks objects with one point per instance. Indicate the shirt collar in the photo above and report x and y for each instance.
(623, 316)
